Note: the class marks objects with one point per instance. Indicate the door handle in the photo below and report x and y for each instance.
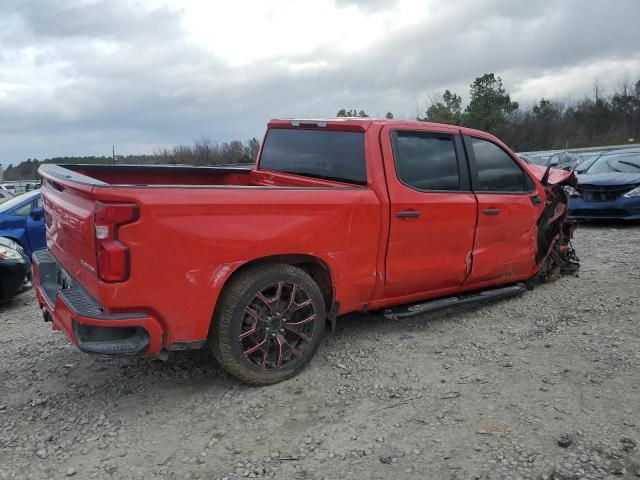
(408, 214)
(491, 211)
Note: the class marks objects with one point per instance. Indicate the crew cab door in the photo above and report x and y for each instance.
(509, 207)
(433, 211)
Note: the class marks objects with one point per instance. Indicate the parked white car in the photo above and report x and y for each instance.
(5, 195)
(18, 187)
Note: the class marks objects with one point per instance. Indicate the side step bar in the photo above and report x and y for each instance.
(405, 311)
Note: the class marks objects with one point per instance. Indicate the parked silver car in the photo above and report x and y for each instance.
(5, 195)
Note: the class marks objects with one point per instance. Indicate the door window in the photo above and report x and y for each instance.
(23, 210)
(497, 171)
(427, 161)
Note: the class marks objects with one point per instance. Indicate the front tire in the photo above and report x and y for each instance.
(268, 324)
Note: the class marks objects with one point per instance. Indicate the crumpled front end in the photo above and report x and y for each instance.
(556, 255)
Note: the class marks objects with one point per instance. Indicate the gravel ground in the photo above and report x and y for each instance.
(543, 386)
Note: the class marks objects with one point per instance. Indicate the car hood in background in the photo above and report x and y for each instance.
(555, 175)
(610, 179)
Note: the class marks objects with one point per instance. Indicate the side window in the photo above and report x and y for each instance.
(497, 171)
(427, 161)
(23, 210)
(39, 202)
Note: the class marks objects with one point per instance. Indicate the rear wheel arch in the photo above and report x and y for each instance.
(317, 269)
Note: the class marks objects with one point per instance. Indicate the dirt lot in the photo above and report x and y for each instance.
(484, 392)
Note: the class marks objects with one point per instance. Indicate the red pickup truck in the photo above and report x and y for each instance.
(338, 215)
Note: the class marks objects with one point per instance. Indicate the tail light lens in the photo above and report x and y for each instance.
(113, 255)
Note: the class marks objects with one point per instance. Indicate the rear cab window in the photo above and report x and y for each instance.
(426, 161)
(325, 154)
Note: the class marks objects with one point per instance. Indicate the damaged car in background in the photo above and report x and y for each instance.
(337, 216)
(561, 160)
(608, 188)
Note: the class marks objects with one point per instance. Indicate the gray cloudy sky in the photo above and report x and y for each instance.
(77, 76)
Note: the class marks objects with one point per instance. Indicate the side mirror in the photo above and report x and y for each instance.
(37, 213)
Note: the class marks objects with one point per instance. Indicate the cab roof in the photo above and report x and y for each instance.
(363, 124)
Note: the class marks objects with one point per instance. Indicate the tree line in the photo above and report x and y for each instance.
(597, 119)
(203, 151)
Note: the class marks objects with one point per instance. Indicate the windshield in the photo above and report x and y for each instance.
(584, 166)
(618, 163)
(587, 157)
(14, 202)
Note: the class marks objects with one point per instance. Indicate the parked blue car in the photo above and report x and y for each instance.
(608, 188)
(22, 220)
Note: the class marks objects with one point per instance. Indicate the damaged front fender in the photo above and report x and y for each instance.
(555, 255)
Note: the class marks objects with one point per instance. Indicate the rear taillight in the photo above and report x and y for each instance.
(113, 255)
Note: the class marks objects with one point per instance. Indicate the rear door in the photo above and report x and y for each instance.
(433, 211)
(508, 210)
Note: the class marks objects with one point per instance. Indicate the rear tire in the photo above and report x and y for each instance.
(268, 324)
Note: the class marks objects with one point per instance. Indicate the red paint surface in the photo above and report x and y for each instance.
(188, 242)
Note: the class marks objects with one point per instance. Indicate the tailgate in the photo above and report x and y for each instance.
(68, 211)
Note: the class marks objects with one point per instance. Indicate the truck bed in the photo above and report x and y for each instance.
(141, 175)
(160, 176)
(196, 225)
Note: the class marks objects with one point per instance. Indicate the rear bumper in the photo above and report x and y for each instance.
(71, 309)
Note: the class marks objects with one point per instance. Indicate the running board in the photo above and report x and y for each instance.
(405, 311)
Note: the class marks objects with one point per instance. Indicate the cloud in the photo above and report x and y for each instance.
(79, 76)
(97, 19)
(367, 5)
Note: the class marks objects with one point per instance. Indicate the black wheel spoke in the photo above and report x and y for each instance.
(264, 300)
(254, 324)
(278, 325)
(298, 328)
(299, 306)
(283, 347)
(259, 346)
(292, 298)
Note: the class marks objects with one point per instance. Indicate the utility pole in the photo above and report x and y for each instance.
(113, 152)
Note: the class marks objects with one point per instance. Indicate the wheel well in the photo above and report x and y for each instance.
(316, 268)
